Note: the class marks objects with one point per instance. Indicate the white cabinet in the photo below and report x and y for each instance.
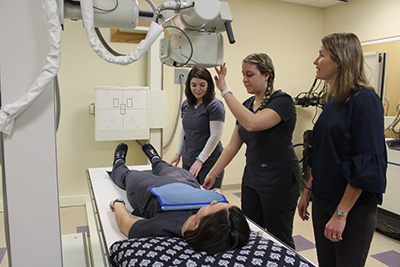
(124, 113)
(391, 198)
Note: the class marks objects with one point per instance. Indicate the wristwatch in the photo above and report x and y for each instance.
(227, 90)
(118, 200)
(341, 212)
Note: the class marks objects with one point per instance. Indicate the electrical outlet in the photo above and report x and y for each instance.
(180, 76)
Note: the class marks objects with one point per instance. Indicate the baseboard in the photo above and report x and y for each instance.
(231, 187)
(65, 201)
(70, 201)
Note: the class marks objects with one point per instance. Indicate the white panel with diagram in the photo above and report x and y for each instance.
(125, 113)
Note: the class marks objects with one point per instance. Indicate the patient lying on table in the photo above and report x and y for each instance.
(213, 227)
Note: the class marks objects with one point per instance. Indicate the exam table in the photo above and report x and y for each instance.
(116, 250)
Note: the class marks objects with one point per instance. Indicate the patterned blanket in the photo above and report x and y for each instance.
(163, 251)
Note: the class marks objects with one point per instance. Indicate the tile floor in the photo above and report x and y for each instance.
(384, 250)
(73, 220)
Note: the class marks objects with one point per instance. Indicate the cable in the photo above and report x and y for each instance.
(11, 111)
(305, 148)
(311, 97)
(58, 102)
(315, 115)
(77, 3)
(387, 105)
(190, 43)
(312, 86)
(153, 7)
(140, 143)
(394, 123)
(105, 44)
(177, 116)
(107, 10)
(300, 144)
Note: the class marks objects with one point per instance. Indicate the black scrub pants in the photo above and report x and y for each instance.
(272, 210)
(352, 251)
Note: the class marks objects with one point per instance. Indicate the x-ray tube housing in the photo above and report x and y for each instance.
(200, 13)
(208, 49)
(124, 16)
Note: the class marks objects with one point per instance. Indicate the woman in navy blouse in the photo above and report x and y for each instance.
(348, 157)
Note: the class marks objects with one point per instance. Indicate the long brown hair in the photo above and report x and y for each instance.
(201, 73)
(265, 66)
(345, 50)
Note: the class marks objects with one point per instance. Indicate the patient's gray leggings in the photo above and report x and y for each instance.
(161, 171)
(137, 184)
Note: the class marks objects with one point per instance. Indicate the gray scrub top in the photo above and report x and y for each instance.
(196, 124)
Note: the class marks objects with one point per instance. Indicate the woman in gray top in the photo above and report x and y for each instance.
(203, 118)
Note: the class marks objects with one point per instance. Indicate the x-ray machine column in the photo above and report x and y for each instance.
(30, 187)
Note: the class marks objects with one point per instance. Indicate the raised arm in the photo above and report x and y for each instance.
(262, 120)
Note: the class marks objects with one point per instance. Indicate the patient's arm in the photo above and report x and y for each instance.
(124, 220)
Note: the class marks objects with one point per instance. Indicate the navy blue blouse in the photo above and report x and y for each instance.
(349, 147)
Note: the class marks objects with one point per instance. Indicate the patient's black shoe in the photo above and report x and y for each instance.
(120, 152)
(150, 151)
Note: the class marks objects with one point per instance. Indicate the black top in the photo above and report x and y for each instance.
(162, 224)
(271, 163)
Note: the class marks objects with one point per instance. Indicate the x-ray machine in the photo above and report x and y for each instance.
(29, 62)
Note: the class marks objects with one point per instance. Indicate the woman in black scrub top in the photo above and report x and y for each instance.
(265, 123)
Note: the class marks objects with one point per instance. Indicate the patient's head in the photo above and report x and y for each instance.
(221, 231)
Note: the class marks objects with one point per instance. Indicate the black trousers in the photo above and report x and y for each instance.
(272, 210)
(352, 251)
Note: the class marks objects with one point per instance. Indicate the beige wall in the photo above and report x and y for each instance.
(369, 19)
(289, 33)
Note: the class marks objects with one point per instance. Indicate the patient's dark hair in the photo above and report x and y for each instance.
(219, 232)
